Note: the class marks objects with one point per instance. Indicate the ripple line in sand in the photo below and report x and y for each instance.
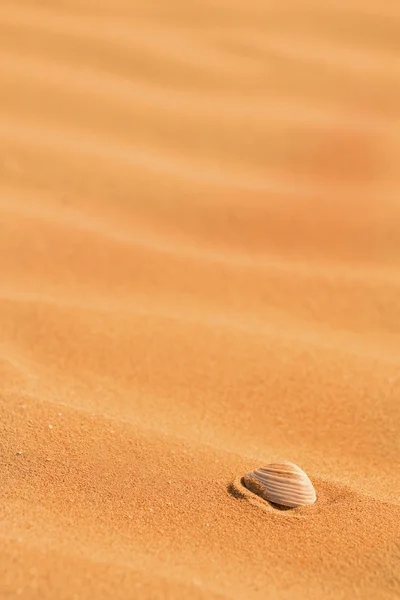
(69, 218)
(174, 45)
(123, 91)
(81, 143)
(276, 325)
(334, 55)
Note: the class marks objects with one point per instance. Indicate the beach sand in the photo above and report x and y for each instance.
(200, 251)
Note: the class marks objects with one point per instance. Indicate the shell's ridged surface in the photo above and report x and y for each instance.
(281, 483)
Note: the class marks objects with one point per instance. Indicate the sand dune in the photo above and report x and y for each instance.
(199, 248)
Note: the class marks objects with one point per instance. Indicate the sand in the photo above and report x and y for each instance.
(200, 251)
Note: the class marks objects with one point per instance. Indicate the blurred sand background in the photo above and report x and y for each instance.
(200, 251)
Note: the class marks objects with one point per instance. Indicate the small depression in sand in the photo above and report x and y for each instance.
(328, 493)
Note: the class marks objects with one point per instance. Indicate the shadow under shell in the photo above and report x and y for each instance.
(258, 490)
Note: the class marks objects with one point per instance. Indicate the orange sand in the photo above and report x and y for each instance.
(200, 248)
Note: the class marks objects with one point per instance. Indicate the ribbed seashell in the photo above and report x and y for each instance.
(281, 483)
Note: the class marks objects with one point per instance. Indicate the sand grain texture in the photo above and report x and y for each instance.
(199, 248)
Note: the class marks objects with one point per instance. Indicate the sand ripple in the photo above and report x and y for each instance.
(199, 248)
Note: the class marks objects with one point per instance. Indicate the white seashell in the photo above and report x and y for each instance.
(281, 483)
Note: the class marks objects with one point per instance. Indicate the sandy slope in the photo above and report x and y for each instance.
(199, 248)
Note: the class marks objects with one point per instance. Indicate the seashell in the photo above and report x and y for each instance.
(281, 483)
